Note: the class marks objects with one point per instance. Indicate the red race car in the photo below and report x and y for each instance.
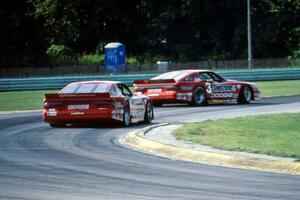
(96, 101)
(196, 87)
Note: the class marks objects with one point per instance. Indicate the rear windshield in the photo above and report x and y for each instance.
(84, 88)
(177, 75)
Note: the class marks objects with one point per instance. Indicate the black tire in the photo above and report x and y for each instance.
(149, 114)
(57, 125)
(245, 95)
(126, 115)
(199, 97)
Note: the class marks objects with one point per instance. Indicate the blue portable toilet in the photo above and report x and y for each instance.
(115, 57)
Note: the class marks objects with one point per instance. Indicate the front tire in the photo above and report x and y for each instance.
(149, 115)
(199, 97)
(245, 95)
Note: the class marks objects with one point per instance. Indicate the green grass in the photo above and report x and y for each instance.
(26, 100)
(23, 100)
(279, 88)
(277, 134)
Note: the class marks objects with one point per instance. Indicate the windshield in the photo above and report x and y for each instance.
(84, 88)
(177, 75)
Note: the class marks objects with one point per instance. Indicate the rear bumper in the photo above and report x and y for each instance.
(82, 116)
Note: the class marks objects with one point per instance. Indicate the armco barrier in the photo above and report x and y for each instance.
(37, 83)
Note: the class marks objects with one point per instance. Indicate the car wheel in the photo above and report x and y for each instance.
(245, 95)
(149, 115)
(199, 97)
(57, 125)
(126, 115)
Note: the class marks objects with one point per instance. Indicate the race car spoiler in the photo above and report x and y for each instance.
(154, 81)
(77, 95)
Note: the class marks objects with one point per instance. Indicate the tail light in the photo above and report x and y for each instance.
(46, 105)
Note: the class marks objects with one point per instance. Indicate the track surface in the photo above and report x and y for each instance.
(39, 162)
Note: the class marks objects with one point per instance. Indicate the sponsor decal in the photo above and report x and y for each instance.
(51, 113)
(79, 107)
(222, 95)
(223, 88)
(77, 113)
(208, 87)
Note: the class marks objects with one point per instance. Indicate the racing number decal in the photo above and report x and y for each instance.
(208, 87)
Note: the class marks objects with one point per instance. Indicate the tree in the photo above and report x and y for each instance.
(21, 36)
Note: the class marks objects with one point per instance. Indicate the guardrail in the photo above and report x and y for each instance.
(38, 83)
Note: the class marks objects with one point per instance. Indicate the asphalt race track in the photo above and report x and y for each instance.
(86, 162)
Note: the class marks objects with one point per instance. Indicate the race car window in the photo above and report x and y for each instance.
(71, 88)
(125, 90)
(205, 77)
(189, 78)
(86, 88)
(114, 91)
(100, 88)
(172, 75)
(216, 77)
(167, 75)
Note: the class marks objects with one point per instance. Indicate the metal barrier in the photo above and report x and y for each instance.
(38, 83)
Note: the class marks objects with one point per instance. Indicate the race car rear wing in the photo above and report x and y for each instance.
(153, 81)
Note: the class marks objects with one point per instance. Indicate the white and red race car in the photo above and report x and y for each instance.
(196, 87)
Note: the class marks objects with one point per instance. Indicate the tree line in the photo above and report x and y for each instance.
(180, 30)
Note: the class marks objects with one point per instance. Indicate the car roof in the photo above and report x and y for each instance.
(97, 82)
(192, 70)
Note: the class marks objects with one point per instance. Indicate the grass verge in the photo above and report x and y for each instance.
(26, 100)
(23, 100)
(279, 88)
(277, 134)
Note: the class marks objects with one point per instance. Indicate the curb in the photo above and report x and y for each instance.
(139, 141)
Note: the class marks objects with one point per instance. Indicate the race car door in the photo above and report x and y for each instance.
(217, 88)
(137, 108)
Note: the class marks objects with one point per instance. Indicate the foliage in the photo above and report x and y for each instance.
(91, 60)
(295, 57)
(133, 61)
(183, 30)
(60, 55)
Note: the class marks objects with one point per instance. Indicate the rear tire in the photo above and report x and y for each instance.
(149, 115)
(245, 95)
(199, 97)
(126, 115)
